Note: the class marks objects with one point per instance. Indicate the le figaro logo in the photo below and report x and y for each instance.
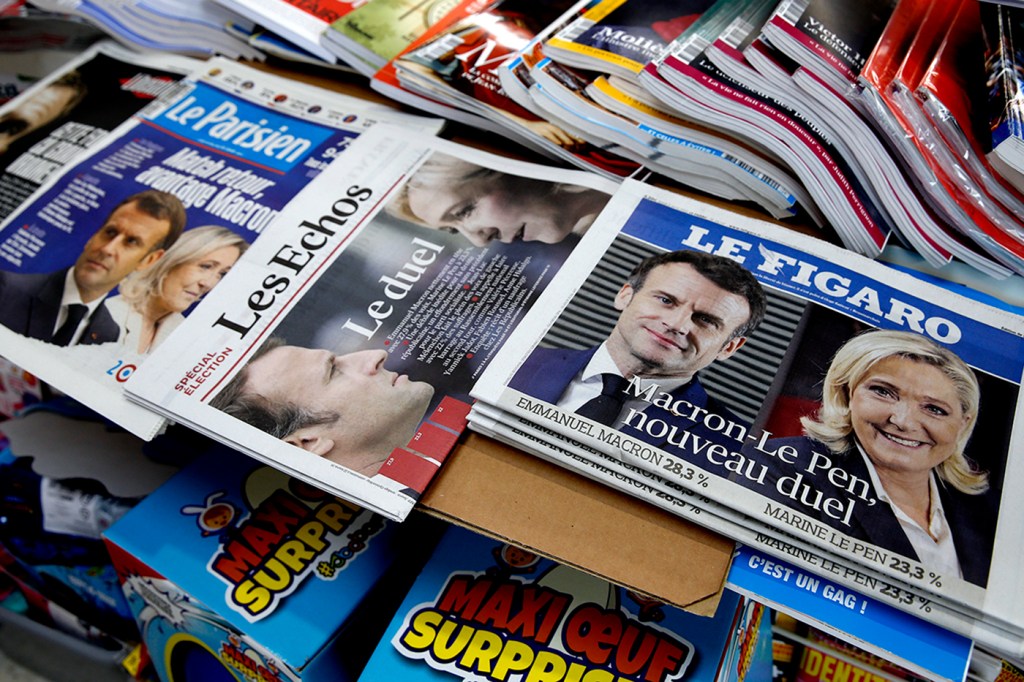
(292, 532)
(495, 627)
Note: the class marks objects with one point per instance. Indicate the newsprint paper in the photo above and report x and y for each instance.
(857, 580)
(342, 347)
(229, 150)
(926, 405)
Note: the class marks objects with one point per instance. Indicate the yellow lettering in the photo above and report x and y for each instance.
(312, 533)
(516, 657)
(812, 662)
(548, 667)
(251, 596)
(295, 555)
(274, 576)
(481, 652)
(422, 630)
(334, 516)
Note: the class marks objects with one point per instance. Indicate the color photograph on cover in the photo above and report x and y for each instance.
(152, 204)
(882, 418)
(920, 437)
(45, 128)
(403, 321)
(117, 250)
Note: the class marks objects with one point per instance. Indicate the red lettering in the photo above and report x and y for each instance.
(462, 599)
(593, 633)
(498, 607)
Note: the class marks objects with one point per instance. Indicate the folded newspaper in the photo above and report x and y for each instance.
(131, 234)
(849, 407)
(74, 107)
(342, 347)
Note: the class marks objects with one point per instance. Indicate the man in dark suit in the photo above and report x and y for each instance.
(66, 307)
(679, 312)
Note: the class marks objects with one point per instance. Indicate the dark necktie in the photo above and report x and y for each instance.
(63, 336)
(605, 408)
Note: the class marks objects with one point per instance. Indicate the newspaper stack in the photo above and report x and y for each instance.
(342, 346)
(602, 377)
(224, 152)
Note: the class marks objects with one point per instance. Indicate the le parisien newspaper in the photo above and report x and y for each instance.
(233, 145)
(352, 307)
(734, 449)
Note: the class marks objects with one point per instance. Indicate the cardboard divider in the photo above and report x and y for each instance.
(498, 491)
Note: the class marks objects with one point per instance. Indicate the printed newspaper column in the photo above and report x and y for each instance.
(353, 329)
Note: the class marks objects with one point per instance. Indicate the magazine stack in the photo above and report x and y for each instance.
(811, 403)
(1003, 24)
(865, 119)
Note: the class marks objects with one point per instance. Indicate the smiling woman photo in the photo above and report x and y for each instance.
(484, 205)
(150, 303)
(897, 412)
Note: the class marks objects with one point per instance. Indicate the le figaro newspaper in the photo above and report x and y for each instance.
(849, 406)
(342, 347)
(859, 583)
(137, 230)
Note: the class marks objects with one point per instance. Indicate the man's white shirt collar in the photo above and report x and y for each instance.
(588, 384)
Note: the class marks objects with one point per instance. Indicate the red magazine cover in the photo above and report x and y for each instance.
(929, 31)
(954, 92)
(930, 35)
(892, 45)
(386, 76)
(326, 10)
(899, 61)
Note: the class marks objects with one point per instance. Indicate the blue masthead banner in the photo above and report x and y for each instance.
(847, 291)
(262, 136)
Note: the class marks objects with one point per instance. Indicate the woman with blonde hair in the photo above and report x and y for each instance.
(889, 444)
(150, 303)
(485, 205)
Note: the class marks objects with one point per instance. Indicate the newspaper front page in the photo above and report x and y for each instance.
(695, 507)
(141, 228)
(74, 108)
(918, 417)
(343, 346)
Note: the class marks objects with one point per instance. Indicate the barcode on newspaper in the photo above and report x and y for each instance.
(774, 184)
(690, 48)
(737, 32)
(575, 29)
(791, 10)
(439, 47)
